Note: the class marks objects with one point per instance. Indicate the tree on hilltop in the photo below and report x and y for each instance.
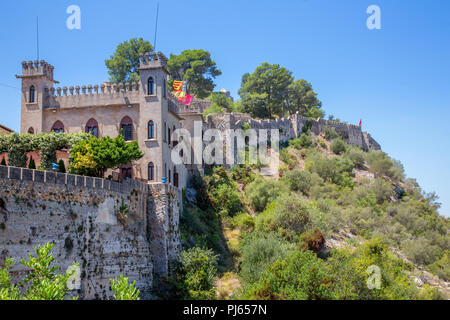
(271, 91)
(197, 68)
(123, 64)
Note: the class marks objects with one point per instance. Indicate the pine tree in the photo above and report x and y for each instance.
(3, 163)
(32, 164)
(61, 166)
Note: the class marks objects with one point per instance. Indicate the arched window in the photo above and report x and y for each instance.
(169, 136)
(151, 171)
(32, 94)
(151, 129)
(92, 127)
(58, 127)
(151, 86)
(126, 126)
(31, 130)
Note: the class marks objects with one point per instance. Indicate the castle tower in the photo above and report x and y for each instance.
(37, 79)
(154, 112)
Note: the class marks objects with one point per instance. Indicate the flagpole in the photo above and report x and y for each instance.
(156, 26)
(37, 37)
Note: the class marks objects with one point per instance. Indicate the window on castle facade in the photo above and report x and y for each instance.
(151, 171)
(58, 127)
(170, 137)
(32, 94)
(126, 126)
(164, 88)
(175, 178)
(92, 127)
(31, 130)
(151, 86)
(151, 129)
(165, 134)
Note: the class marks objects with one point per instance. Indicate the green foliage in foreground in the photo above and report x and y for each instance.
(195, 274)
(348, 274)
(123, 290)
(44, 283)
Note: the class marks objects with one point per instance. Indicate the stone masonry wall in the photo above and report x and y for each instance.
(291, 127)
(80, 215)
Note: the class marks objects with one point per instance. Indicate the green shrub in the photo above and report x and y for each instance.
(380, 164)
(263, 191)
(330, 133)
(41, 283)
(292, 214)
(302, 181)
(197, 271)
(259, 250)
(287, 157)
(242, 173)
(61, 166)
(226, 200)
(442, 266)
(357, 156)
(299, 276)
(304, 141)
(352, 272)
(123, 290)
(382, 190)
(338, 146)
(336, 169)
(31, 164)
(243, 222)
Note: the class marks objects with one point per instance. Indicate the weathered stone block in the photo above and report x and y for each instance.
(3, 172)
(71, 180)
(79, 181)
(27, 175)
(98, 183)
(39, 176)
(61, 178)
(50, 177)
(89, 182)
(14, 173)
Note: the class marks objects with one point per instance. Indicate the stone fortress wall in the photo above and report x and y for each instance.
(80, 215)
(291, 127)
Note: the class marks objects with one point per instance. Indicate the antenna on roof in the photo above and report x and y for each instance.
(156, 26)
(37, 37)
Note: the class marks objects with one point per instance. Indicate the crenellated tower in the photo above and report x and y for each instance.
(37, 79)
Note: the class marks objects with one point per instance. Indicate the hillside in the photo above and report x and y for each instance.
(334, 219)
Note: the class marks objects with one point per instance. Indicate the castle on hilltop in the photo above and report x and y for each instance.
(145, 111)
(83, 216)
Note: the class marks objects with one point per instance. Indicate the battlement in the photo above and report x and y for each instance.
(106, 94)
(291, 127)
(36, 69)
(152, 60)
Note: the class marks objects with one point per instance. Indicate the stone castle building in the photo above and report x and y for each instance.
(144, 111)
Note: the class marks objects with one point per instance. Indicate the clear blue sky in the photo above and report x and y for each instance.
(397, 80)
